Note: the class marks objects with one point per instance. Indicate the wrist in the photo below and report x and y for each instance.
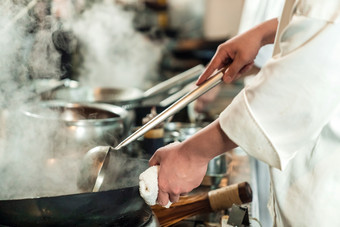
(207, 144)
(194, 152)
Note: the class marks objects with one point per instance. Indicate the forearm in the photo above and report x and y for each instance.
(208, 143)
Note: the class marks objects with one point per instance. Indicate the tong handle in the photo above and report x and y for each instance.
(211, 82)
(180, 79)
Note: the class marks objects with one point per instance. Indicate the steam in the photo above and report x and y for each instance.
(24, 147)
(49, 66)
(32, 163)
(114, 54)
(12, 73)
(29, 165)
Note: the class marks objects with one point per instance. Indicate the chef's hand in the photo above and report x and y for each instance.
(240, 52)
(179, 173)
(182, 166)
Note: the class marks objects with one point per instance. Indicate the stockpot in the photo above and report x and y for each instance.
(76, 127)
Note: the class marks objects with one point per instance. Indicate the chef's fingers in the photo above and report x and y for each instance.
(214, 65)
(235, 68)
(174, 198)
(247, 67)
(163, 198)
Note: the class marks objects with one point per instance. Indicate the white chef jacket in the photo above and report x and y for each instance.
(289, 116)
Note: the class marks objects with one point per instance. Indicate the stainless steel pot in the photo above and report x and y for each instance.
(75, 127)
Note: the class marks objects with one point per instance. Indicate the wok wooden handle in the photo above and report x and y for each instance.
(224, 198)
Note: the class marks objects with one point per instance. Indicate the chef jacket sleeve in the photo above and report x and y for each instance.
(292, 98)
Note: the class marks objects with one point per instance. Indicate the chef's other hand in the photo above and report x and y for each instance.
(179, 173)
(240, 52)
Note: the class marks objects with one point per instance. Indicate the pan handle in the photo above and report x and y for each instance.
(180, 79)
(176, 107)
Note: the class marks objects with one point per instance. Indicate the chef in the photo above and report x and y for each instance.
(287, 117)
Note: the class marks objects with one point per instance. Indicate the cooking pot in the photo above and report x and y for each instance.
(77, 126)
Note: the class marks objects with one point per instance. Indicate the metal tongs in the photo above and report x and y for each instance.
(211, 82)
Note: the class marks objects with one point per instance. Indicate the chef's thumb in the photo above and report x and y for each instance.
(154, 160)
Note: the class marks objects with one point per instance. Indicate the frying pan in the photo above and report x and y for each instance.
(119, 204)
(120, 207)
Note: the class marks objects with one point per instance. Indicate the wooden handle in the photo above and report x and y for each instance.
(224, 198)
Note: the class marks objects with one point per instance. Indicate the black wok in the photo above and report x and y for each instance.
(119, 204)
(121, 207)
